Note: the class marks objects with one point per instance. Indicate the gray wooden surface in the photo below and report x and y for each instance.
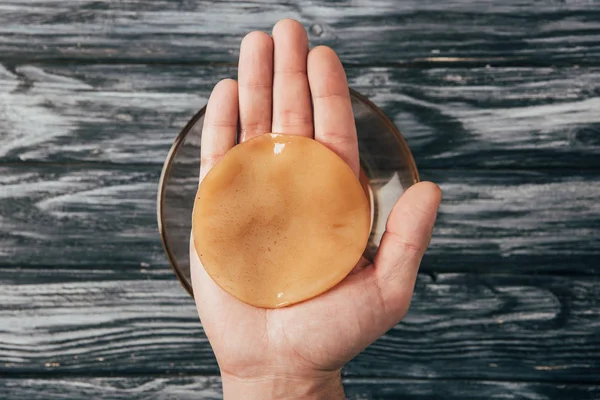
(199, 387)
(461, 326)
(499, 101)
(363, 31)
(497, 117)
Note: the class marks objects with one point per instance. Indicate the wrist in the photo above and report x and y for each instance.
(323, 386)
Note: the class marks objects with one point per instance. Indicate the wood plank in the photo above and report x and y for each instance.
(200, 387)
(490, 221)
(69, 215)
(365, 31)
(451, 117)
(460, 326)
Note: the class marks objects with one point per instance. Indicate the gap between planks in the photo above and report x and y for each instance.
(364, 378)
(425, 63)
(115, 165)
(167, 274)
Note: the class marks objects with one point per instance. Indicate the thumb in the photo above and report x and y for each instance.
(407, 236)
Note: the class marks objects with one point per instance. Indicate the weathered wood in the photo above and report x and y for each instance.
(69, 215)
(490, 221)
(492, 118)
(460, 326)
(207, 388)
(493, 221)
(84, 285)
(365, 31)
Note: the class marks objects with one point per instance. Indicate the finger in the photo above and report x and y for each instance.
(220, 124)
(407, 236)
(255, 77)
(291, 96)
(334, 120)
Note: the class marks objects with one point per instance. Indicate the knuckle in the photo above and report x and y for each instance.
(294, 118)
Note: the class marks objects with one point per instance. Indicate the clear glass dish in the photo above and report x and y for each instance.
(388, 169)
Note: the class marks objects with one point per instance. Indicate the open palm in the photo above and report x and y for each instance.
(282, 87)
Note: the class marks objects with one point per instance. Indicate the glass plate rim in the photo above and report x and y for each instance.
(167, 165)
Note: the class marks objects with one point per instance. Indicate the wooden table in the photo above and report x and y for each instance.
(499, 101)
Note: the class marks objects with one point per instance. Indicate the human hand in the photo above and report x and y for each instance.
(298, 351)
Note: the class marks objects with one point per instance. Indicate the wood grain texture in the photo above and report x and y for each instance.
(461, 326)
(365, 31)
(70, 216)
(490, 221)
(476, 118)
(93, 93)
(208, 388)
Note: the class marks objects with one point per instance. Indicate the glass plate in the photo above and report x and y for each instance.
(388, 169)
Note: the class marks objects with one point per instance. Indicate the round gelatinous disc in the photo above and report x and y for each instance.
(387, 165)
(280, 219)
